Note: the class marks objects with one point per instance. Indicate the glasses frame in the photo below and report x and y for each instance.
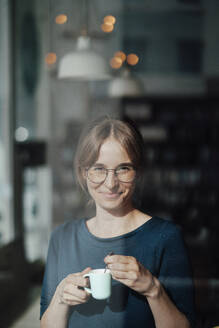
(115, 174)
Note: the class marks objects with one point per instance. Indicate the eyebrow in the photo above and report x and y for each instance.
(120, 164)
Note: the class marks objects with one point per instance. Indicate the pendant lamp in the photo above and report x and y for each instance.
(126, 85)
(83, 63)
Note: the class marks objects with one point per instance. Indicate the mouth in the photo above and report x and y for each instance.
(111, 195)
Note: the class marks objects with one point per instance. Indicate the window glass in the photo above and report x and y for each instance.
(6, 227)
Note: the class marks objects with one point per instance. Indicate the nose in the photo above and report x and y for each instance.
(111, 180)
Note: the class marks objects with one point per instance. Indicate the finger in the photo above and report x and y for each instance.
(75, 302)
(119, 274)
(88, 269)
(127, 282)
(71, 291)
(131, 275)
(85, 280)
(82, 294)
(79, 293)
(77, 280)
(123, 266)
(119, 258)
(74, 299)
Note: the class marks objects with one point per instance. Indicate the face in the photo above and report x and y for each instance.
(112, 194)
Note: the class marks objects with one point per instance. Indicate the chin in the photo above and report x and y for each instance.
(114, 205)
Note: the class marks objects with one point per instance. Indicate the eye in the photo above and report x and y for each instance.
(98, 169)
(124, 168)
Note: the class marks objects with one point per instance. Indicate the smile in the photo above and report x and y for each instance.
(111, 195)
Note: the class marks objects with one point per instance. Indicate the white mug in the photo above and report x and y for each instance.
(100, 283)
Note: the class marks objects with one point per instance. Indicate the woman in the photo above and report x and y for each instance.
(149, 266)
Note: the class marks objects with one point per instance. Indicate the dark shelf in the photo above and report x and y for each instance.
(181, 180)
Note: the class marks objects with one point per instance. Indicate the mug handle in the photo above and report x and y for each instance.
(87, 275)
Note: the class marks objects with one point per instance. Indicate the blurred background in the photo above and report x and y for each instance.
(65, 62)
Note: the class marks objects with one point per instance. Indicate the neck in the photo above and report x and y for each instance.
(114, 214)
(107, 224)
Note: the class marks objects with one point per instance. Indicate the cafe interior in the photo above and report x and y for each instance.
(66, 62)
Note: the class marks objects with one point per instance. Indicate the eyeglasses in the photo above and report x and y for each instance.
(98, 174)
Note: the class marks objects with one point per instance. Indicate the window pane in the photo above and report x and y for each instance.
(190, 56)
(6, 228)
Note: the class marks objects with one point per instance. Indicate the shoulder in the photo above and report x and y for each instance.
(166, 229)
(66, 230)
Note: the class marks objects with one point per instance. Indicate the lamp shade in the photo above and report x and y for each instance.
(126, 85)
(83, 63)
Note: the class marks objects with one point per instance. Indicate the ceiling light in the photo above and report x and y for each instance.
(132, 59)
(83, 63)
(116, 62)
(110, 20)
(121, 55)
(61, 19)
(126, 85)
(50, 58)
(107, 28)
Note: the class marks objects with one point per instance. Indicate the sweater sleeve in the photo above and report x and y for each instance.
(50, 279)
(175, 271)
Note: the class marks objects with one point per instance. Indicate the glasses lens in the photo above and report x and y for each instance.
(126, 174)
(96, 174)
(123, 174)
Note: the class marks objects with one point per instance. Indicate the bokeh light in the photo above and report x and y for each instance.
(61, 19)
(21, 134)
(116, 62)
(120, 54)
(109, 20)
(107, 28)
(50, 58)
(132, 59)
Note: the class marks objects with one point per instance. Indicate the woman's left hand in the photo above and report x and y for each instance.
(131, 273)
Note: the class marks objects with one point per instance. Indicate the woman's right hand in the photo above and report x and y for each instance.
(69, 291)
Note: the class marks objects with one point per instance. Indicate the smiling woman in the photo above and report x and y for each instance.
(110, 191)
(93, 137)
(152, 285)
